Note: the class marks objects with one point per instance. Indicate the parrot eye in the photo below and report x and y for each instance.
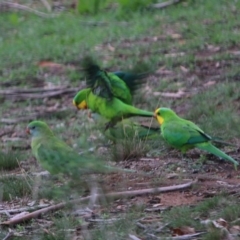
(33, 127)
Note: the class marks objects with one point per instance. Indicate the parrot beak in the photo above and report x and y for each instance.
(155, 115)
(27, 131)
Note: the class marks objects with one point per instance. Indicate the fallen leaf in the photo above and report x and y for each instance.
(222, 222)
(209, 83)
(185, 70)
(235, 229)
(183, 231)
(111, 48)
(176, 36)
(48, 64)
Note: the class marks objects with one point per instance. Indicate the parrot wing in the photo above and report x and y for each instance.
(181, 133)
(97, 79)
(56, 156)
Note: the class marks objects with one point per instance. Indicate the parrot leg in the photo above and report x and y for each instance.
(109, 125)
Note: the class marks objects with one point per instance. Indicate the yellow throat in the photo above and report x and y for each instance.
(159, 118)
(81, 105)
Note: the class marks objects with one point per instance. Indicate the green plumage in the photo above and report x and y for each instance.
(111, 96)
(184, 135)
(56, 156)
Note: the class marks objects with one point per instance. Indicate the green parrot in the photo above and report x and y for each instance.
(108, 95)
(184, 135)
(56, 156)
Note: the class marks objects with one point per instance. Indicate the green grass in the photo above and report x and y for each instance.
(10, 160)
(15, 187)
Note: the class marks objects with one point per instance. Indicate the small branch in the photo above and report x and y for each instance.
(32, 90)
(25, 8)
(31, 117)
(24, 209)
(9, 235)
(47, 5)
(113, 195)
(133, 237)
(33, 93)
(183, 237)
(164, 4)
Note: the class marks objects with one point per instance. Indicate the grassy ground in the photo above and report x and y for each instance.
(193, 48)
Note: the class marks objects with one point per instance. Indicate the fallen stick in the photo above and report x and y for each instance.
(33, 90)
(25, 8)
(164, 4)
(23, 96)
(113, 195)
(31, 117)
(183, 237)
(133, 237)
(24, 209)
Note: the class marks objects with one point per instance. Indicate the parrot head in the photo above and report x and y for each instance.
(79, 101)
(38, 129)
(162, 114)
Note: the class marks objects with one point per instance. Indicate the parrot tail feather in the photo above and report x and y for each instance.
(212, 149)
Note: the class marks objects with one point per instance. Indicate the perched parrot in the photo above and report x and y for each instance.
(108, 95)
(56, 156)
(184, 135)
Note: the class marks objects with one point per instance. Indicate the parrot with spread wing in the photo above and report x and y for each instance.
(108, 94)
(56, 156)
(184, 135)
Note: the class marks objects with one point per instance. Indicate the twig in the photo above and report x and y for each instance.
(133, 237)
(31, 117)
(25, 8)
(33, 90)
(47, 5)
(95, 24)
(164, 4)
(183, 237)
(158, 230)
(24, 209)
(23, 95)
(9, 235)
(113, 195)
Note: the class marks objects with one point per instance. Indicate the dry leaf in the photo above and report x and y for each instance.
(111, 48)
(235, 229)
(184, 230)
(222, 222)
(185, 70)
(176, 36)
(48, 64)
(209, 83)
